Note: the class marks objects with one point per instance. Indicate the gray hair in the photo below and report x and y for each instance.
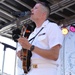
(46, 8)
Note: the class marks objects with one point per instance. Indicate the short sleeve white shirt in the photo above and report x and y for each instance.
(48, 37)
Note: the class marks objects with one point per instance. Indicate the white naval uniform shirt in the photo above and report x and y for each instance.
(48, 37)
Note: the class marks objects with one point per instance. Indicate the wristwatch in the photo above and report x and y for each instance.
(32, 48)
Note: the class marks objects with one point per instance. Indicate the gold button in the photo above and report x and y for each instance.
(34, 65)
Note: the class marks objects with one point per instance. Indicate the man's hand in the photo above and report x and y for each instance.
(24, 43)
(19, 54)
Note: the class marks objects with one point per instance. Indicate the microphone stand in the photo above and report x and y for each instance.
(3, 59)
(5, 46)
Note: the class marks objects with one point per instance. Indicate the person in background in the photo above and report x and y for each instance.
(44, 42)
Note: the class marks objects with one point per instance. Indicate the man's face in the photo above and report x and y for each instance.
(36, 12)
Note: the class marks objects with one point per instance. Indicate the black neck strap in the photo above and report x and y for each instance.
(36, 34)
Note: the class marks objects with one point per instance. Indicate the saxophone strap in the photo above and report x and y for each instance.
(36, 35)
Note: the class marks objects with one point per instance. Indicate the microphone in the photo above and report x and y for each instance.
(6, 45)
(21, 14)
